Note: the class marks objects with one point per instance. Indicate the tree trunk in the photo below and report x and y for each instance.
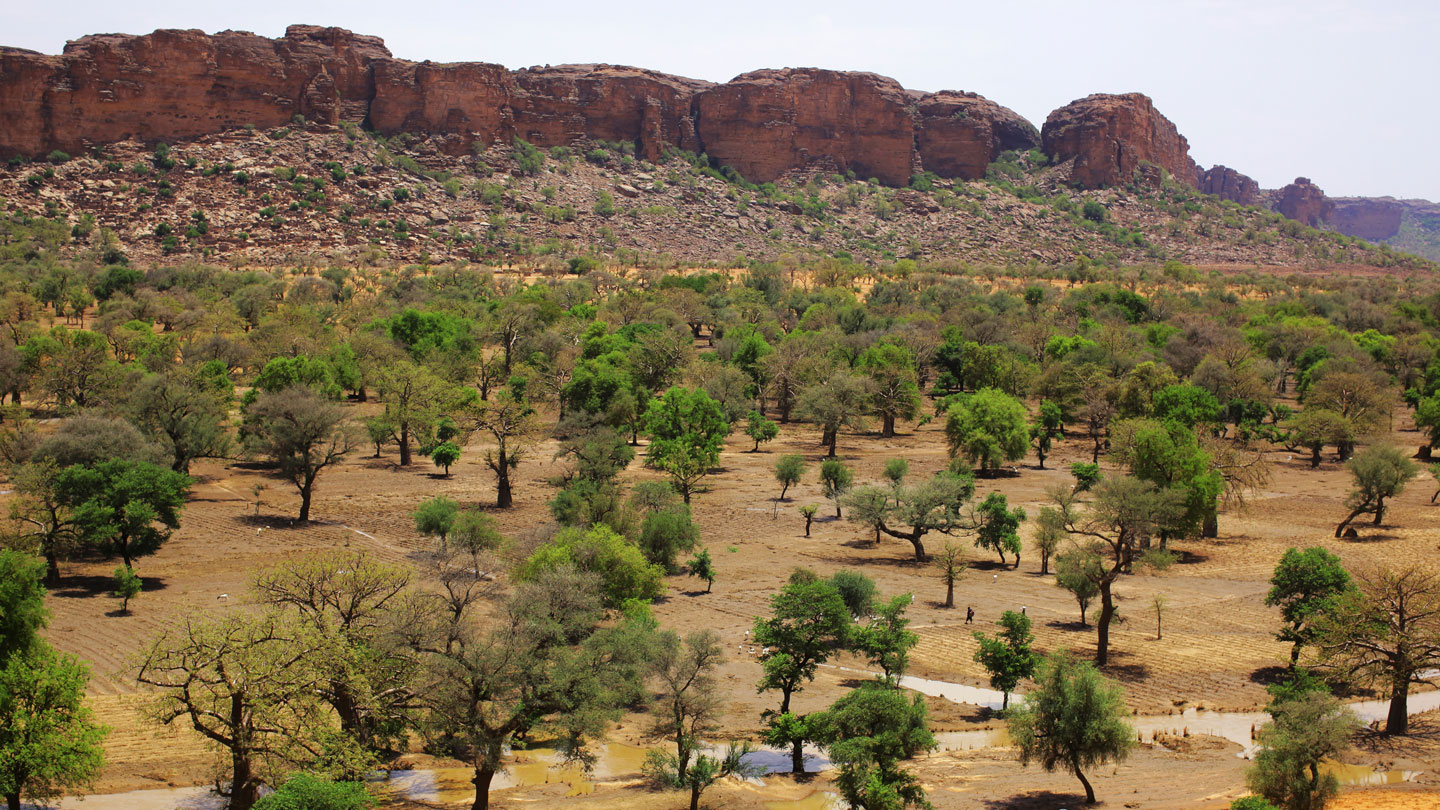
(1044, 563)
(832, 438)
(244, 790)
(950, 593)
(52, 569)
(1004, 701)
(807, 525)
(1340, 530)
(797, 757)
(1107, 610)
(483, 776)
(694, 796)
(786, 488)
(1315, 456)
(404, 444)
(1089, 791)
(125, 553)
(503, 498)
(305, 502)
(1379, 510)
(887, 428)
(919, 549)
(1211, 524)
(1397, 721)
(12, 801)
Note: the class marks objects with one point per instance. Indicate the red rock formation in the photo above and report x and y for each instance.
(178, 84)
(1228, 184)
(1303, 201)
(468, 99)
(173, 85)
(959, 134)
(767, 122)
(565, 104)
(1109, 136)
(1369, 218)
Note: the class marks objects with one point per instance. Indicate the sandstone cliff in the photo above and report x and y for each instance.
(1303, 201)
(1228, 184)
(1109, 136)
(173, 85)
(1370, 218)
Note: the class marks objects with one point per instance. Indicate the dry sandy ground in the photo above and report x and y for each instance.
(1217, 648)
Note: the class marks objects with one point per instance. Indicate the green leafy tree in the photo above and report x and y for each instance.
(760, 429)
(835, 480)
(1047, 425)
(703, 567)
(624, 572)
(435, 517)
(666, 532)
(836, 402)
(48, 519)
(789, 469)
(1007, 657)
(1380, 471)
(1169, 456)
(689, 705)
(884, 641)
(997, 526)
(895, 391)
(1086, 476)
(22, 602)
(989, 428)
(118, 504)
(445, 454)
(49, 741)
(687, 430)
(127, 586)
(1080, 572)
(868, 733)
(934, 505)
(1049, 531)
(186, 414)
(1314, 428)
(1305, 585)
(808, 512)
(1074, 720)
(950, 563)
(303, 434)
(1126, 510)
(1306, 731)
(807, 622)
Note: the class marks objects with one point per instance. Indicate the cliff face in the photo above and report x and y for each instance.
(767, 122)
(179, 84)
(1373, 219)
(959, 134)
(1228, 184)
(172, 85)
(1109, 136)
(1303, 201)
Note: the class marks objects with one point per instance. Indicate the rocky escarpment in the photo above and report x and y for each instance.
(1375, 219)
(1228, 184)
(1303, 201)
(173, 85)
(1109, 137)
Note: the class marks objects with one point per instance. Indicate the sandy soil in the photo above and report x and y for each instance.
(1217, 649)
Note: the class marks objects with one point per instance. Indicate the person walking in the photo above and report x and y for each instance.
(969, 615)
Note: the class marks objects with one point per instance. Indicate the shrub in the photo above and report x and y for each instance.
(1094, 211)
(57, 157)
(528, 159)
(306, 792)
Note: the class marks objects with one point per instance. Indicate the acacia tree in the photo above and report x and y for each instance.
(1305, 586)
(895, 391)
(302, 433)
(687, 431)
(1126, 512)
(836, 402)
(688, 706)
(52, 530)
(997, 526)
(950, 563)
(1380, 471)
(1385, 632)
(187, 414)
(931, 506)
(1073, 720)
(513, 426)
(245, 682)
(808, 622)
(540, 663)
(789, 469)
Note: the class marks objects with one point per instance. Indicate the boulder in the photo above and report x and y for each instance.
(959, 134)
(1228, 184)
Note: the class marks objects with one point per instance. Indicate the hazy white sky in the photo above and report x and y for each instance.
(1341, 92)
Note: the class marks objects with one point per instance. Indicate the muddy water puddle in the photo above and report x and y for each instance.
(819, 800)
